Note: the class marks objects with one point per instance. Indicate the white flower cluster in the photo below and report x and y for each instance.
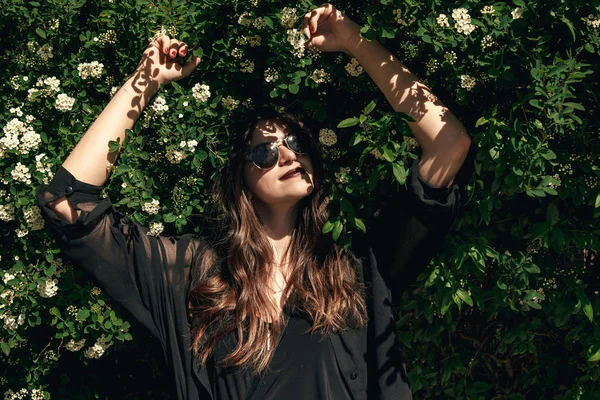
(64, 103)
(159, 106)
(343, 175)
(16, 110)
(33, 217)
(113, 90)
(21, 232)
(7, 213)
(320, 76)
(247, 66)
(11, 323)
(44, 167)
(432, 65)
(442, 20)
(487, 42)
(230, 103)
(248, 20)
(19, 136)
(467, 82)
(271, 75)
(487, 10)
(92, 69)
(462, 21)
(174, 157)
(54, 24)
(201, 92)
(237, 53)
(156, 229)
(151, 207)
(353, 68)
(288, 17)
(21, 173)
(37, 394)
(400, 20)
(450, 57)
(248, 103)
(108, 37)
(253, 41)
(297, 39)
(8, 277)
(190, 144)
(16, 81)
(97, 349)
(517, 13)
(45, 52)
(591, 21)
(19, 395)
(327, 137)
(48, 288)
(51, 84)
(72, 345)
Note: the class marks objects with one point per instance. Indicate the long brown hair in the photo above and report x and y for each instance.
(230, 292)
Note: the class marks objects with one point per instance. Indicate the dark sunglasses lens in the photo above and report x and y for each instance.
(265, 155)
(296, 143)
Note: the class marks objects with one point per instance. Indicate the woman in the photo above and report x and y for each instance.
(273, 309)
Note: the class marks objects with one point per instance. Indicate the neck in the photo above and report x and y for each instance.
(279, 222)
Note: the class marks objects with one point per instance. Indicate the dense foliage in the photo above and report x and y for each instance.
(508, 310)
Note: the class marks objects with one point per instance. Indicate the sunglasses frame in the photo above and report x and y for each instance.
(250, 155)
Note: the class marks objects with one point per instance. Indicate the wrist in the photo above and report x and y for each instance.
(140, 84)
(353, 39)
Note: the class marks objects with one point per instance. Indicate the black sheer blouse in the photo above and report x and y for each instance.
(150, 276)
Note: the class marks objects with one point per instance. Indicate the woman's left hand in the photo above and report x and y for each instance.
(329, 30)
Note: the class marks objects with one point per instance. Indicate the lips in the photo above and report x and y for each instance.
(292, 172)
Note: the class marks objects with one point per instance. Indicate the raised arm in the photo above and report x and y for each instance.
(89, 159)
(443, 138)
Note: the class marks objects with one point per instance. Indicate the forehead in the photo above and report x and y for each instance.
(269, 130)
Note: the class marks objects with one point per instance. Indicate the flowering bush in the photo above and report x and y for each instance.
(507, 310)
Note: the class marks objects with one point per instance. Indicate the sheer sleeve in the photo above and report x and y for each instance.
(411, 228)
(148, 275)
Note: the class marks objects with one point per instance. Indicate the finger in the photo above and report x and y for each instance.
(164, 42)
(183, 49)
(189, 66)
(174, 48)
(305, 27)
(314, 17)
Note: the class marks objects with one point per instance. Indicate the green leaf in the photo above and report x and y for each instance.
(370, 107)
(337, 230)
(294, 89)
(327, 227)
(360, 225)
(5, 348)
(569, 25)
(41, 33)
(464, 296)
(481, 121)
(586, 306)
(597, 203)
(268, 21)
(575, 106)
(400, 173)
(168, 218)
(593, 353)
(348, 122)
(82, 314)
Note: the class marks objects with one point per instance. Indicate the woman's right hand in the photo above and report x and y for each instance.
(159, 62)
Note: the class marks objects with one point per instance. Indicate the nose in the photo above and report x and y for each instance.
(285, 154)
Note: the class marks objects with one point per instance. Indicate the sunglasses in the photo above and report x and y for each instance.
(265, 155)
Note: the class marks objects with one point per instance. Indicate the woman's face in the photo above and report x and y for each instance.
(272, 186)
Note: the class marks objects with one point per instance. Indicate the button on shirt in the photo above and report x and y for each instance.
(150, 276)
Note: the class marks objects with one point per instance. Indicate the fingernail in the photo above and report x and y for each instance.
(183, 52)
(166, 51)
(173, 53)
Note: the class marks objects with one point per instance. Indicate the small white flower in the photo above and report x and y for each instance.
(48, 288)
(327, 137)
(288, 17)
(201, 92)
(271, 75)
(297, 39)
(353, 68)
(487, 10)
(467, 82)
(247, 66)
(230, 103)
(151, 207)
(517, 13)
(320, 76)
(64, 103)
(155, 229)
(92, 69)
(442, 20)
